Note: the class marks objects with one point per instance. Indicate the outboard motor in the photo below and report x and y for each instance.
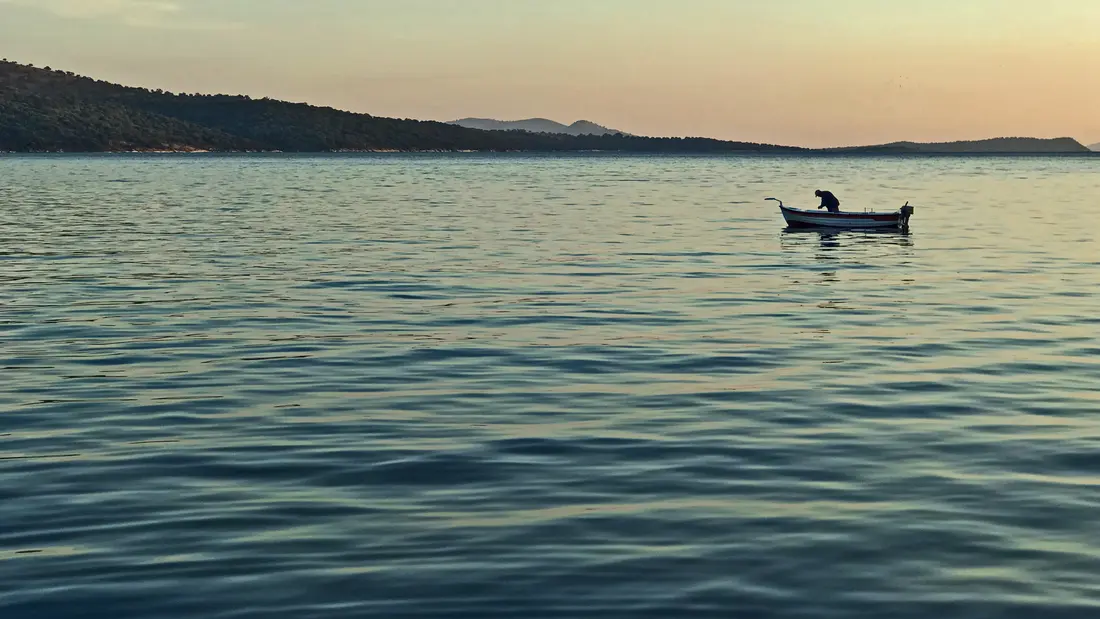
(906, 213)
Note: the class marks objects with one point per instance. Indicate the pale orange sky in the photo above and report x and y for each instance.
(805, 72)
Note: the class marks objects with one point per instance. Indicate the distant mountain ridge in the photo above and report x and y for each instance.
(1095, 147)
(536, 125)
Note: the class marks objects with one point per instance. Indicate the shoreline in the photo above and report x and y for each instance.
(382, 151)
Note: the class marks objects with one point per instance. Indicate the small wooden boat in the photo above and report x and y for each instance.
(800, 218)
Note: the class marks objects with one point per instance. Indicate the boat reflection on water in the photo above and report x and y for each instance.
(837, 251)
(838, 238)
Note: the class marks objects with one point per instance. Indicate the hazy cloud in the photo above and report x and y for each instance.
(135, 13)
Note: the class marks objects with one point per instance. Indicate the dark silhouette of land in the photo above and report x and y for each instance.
(46, 110)
(535, 125)
(995, 145)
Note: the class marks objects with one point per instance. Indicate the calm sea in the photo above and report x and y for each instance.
(509, 386)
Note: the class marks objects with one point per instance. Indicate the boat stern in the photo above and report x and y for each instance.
(906, 212)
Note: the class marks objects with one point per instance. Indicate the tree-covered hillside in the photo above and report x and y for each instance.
(42, 109)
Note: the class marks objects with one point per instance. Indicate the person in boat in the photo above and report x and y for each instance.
(828, 201)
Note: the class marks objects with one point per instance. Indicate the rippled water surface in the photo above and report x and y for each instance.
(505, 386)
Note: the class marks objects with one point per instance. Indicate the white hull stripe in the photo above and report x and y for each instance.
(846, 222)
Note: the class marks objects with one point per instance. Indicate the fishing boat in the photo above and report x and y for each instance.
(800, 218)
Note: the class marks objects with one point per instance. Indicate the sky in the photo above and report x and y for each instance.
(798, 72)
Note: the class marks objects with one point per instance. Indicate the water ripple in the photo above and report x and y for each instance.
(500, 386)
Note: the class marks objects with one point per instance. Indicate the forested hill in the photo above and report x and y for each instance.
(42, 109)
